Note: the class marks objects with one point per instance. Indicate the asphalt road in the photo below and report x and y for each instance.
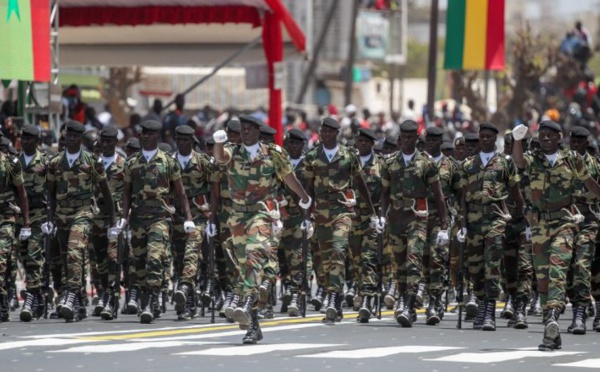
(290, 344)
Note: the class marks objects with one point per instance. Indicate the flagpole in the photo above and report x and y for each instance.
(431, 69)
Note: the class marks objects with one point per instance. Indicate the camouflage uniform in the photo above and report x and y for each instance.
(409, 186)
(150, 188)
(552, 189)
(34, 175)
(196, 177)
(11, 175)
(74, 190)
(333, 221)
(363, 238)
(486, 189)
(251, 184)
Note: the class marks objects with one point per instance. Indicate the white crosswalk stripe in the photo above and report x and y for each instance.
(130, 346)
(501, 356)
(586, 363)
(255, 349)
(379, 352)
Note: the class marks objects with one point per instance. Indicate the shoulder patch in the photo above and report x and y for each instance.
(276, 147)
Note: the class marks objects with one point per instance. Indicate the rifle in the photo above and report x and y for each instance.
(124, 262)
(448, 281)
(304, 288)
(121, 249)
(461, 279)
(211, 275)
(379, 296)
(46, 267)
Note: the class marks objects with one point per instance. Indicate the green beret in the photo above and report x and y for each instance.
(209, 141)
(75, 126)
(31, 130)
(488, 126)
(409, 126)
(152, 125)
(365, 132)
(184, 130)
(391, 141)
(471, 137)
(251, 119)
(296, 134)
(331, 123)
(460, 141)
(447, 145)
(434, 132)
(109, 132)
(234, 126)
(134, 143)
(265, 129)
(549, 124)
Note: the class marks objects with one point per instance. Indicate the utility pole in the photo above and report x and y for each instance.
(431, 69)
(351, 56)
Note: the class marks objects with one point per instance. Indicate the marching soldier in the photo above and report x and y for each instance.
(363, 238)
(253, 169)
(149, 178)
(435, 256)
(72, 177)
(34, 165)
(196, 174)
(332, 171)
(553, 173)
(408, 178)
(488, 178)
(106, 249)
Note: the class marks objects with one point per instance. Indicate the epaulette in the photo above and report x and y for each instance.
(275, 147)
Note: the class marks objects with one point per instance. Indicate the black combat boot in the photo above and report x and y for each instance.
(4, 315)
(189, 312)
(419, 298)
(266, 311)
(181, 296)
(519, 319)
(254, 333)
(101, 302)
(399, 306)
(67, 310)
(591, 310)
(264, 290)
(350, 293)
(596, 324)
(317, 301)
(79, 307)
(406, 317)
(479, 318)
(230, 309)
(551, 340)
(334, 308)
(509, 308)
(293, 308)
(226, 302)
(150, 306)
(535, 306)
(242, 314)
(31, 305)
(390, 296)
(206, 294)
(13, 299)
(431, 312)
(472, 308)
(364, 313)
(577, 327)
(109, 312)
(133, 303)
(489, 320)
(286, 298)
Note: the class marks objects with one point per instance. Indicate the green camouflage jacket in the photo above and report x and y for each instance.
(11, 175)
(409, 181)
(489, 184)
(196, 178)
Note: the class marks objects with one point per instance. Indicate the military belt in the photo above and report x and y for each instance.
(245, 208)
(402, 204)
(580, 200)
(73, 203)
(548, 216)
(335, 196)
(37, 201)
(491, 208)
(149, 203)
(226, 202)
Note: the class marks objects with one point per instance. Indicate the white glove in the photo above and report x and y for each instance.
(374, 221)
(276, 226)
(442, 237)
(306, 205)
(47, 228)
(189, 227)
(348, 202)
(220, 136)
(211, 230)
(25, 233)
(462, 235)
(309, 227)
(528, 234)
(380, 225)
(113, 233)
(121, 224)
(519, 132)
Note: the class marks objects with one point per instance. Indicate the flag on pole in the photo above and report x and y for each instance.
(25, 40)
(475, 35)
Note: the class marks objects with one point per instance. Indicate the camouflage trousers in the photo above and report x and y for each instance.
(317, 260)
(104, 253)
(149, 245)
(32, 255)
(272, 268)
(579, 275)
(435, 257)
(332, 235)
(7, 233)
(455, 260)
(227, 264)
(363, 254)
(290, 253)
(73, 231)
(251, 238)
(518, 268)
(408, 235)
(388, 263)
(552, 252)
(595, 273)
(186, 250)
(485, 244)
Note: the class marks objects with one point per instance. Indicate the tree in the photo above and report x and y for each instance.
(115, 90)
